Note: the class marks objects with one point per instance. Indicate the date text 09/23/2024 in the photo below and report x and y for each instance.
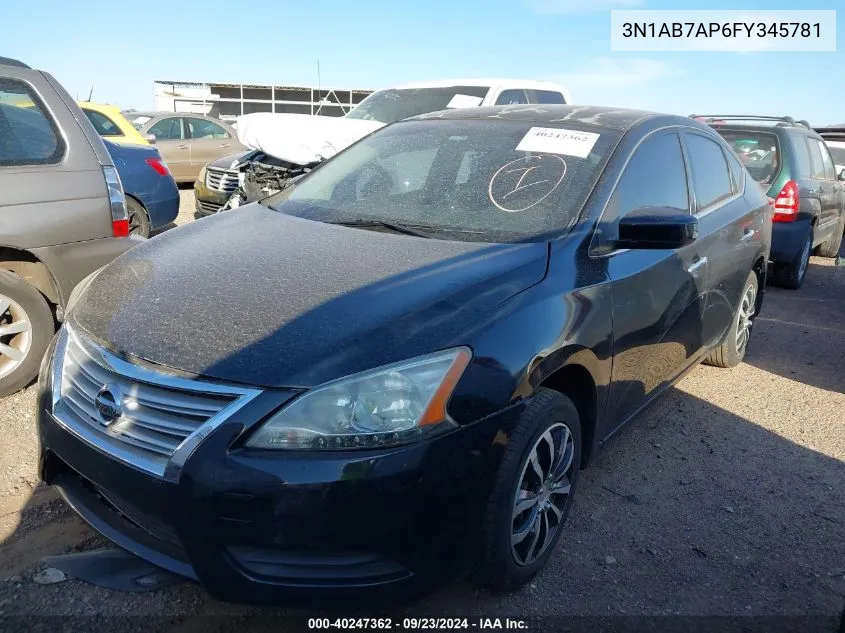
(417, 624)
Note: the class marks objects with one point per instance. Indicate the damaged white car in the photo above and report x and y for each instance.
(285, 146)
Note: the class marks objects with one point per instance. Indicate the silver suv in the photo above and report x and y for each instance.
(62, 214)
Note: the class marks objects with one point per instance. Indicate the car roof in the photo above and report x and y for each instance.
(481, 82)
(92, 105)
(615, 118)
(8, 61)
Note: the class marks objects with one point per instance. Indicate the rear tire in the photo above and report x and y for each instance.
(830, 247)
(732, 350)
(26, 329)
(792, 274)
(139, 220)
(517, 543)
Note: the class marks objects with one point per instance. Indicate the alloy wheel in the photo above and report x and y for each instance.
(15, 335)
(542, 493)
(746, 313)
(805, 258)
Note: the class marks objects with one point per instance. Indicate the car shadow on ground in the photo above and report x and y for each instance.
(810, 351)
(690, 510)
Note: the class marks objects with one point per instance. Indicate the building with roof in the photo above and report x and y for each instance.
(228, 101)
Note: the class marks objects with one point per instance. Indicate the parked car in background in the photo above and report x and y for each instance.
(216, 183)
(187, 142)
(288, 145)
(402, 362)
(152, 198)
(62, 213)
(835, 139)
(111, 124)
(793, 164)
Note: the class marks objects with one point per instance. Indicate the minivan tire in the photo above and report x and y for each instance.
(830, 247)
(42, 328)
(550, 411)
(792, 274)
(728, 354)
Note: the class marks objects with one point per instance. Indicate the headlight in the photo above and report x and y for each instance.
(201, 177)
(387, 406)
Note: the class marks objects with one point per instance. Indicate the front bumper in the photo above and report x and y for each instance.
(208, 201)
(288, 528)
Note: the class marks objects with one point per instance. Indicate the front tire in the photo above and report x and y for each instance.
(532, 493)
(732, 350)
(26, 328)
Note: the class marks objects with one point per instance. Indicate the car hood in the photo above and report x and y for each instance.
(258, 297)
(301, 138)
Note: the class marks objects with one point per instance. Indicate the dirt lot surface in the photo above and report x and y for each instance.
(726, 497)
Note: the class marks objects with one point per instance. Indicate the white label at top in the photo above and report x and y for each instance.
(552, 140)
(464, 101)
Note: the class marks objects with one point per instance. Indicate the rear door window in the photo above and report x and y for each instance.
(28, 135)
(711, 180)
(827, 161)
(512, 97)
(736, 171)
(103, 124)
(817, 169)
(548, 96)
(169, 129)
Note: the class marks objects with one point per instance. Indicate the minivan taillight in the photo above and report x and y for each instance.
(117, 201)
(786, 203)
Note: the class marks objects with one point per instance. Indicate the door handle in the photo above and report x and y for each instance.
(698, 263)
(747, 235)
(181, 147)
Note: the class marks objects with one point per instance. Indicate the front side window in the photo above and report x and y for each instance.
(654, 177)
(201, 128)
(456, 179)
(169, 129)
(548, 97)
(27, 133)
(389, 106)
(102, 124)
(711, 180)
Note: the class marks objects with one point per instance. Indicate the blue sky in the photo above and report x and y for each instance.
(119, 48)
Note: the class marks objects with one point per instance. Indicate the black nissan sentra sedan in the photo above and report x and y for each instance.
(398, 366)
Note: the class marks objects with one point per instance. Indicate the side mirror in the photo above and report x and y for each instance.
(656, 228)
(842, 175)
(150, 138)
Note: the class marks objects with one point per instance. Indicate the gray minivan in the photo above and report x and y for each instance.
(62, 214)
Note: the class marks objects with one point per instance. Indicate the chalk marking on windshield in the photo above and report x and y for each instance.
(538, 187)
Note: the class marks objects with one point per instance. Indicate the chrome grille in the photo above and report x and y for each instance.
(160, 414)
(221, 179)
(210, 207)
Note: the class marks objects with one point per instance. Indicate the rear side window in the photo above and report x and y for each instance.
(654, 177)
(103, 124)
(757, 151)
(549, 96)
(169, 129)
(28, 135)
(711, 180)
(200, 128)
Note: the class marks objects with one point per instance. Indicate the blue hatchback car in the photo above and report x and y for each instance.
(152, 197)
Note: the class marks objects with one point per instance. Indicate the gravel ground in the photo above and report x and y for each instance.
(724, 498)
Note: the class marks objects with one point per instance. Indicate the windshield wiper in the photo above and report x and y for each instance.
(398, 228)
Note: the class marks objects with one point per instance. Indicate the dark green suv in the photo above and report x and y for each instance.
(794, 166)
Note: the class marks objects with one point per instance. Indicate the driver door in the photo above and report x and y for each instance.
(658, 296)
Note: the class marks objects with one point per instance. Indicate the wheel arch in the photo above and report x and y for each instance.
(32, 270)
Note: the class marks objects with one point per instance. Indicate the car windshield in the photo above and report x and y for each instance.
(471, 180)
(389, 106)
(758, 151)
